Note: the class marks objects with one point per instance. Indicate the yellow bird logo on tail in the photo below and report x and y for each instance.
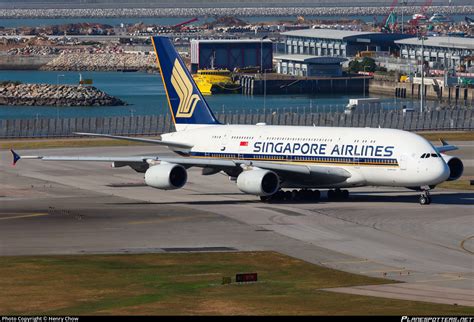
(184, 88)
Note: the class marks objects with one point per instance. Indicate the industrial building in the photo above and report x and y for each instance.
(307, 65)
(338, 43)
(231, 53)
(440, 52)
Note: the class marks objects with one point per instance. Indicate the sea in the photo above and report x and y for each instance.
(145, 95)
(144, 92)
(38, 22)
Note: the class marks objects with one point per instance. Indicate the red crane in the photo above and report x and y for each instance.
(184, 23)
(420, 16)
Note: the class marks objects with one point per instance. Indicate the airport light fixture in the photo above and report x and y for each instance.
(264, 75)
(365, 77)
(422, 89)
(404, 4)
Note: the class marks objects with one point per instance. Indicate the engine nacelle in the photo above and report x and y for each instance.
(166, 176)
(258, 182)
(456, 167)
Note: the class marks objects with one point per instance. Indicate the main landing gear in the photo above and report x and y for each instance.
(305, 195)
(294, 195)
(425, 198)
(338, 194)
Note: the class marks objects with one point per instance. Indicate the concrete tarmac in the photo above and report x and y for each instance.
(88, 207)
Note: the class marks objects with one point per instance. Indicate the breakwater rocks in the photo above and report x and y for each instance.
(241, 11)
(101, 62)
(54, 95)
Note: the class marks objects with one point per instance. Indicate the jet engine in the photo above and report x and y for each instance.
(456, 167)
(258, 182)
(166, 176)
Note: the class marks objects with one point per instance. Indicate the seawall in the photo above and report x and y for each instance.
(54, 95)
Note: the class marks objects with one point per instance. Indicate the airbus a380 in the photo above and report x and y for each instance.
(265, 159)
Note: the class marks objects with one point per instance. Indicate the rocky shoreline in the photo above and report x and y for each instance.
(55, 95)
(101, 62)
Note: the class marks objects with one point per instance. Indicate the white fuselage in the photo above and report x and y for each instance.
(373, 157)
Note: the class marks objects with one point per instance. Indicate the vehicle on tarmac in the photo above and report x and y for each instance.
(264, 160)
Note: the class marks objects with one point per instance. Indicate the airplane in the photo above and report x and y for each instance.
(265, 159)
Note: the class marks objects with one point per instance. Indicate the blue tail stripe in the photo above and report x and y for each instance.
(186, 103)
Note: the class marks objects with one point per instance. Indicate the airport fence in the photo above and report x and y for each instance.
(459, 119)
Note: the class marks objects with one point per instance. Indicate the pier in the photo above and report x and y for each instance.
(260, 84)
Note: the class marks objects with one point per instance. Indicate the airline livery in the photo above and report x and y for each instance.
(263, 160)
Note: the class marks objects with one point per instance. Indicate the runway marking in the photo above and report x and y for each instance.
(443, 280)
(168, 219)
(464, 247)
(348, 262)
(24, 216)
(384, 271)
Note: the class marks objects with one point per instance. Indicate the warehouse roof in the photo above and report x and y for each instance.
(448, 42)
(312, 59)
(346, 35)
(325, 33)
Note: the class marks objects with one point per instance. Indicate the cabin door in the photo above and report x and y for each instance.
(403, 161)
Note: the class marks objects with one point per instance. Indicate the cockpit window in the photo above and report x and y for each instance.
(423, 156)
(434, 155)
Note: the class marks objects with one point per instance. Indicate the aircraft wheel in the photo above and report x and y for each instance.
(345, 194)
(331, 194)
(424, 200)
(306, 194)
(316, 195)
(264, 198)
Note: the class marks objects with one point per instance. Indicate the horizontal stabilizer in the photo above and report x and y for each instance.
(446, 147)
(16, 157)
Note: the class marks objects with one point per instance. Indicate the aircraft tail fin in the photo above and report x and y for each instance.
(187, 105)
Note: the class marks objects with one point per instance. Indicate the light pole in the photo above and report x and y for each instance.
(422, 90)
(364, 78)
(264, 75)
(404, 3)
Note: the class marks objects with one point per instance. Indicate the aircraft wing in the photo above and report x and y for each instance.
(446, 147)
(127, 138)
(140, 163)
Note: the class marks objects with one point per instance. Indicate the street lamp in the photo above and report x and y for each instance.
(264, 74)
(364, 78)
(404, 3)
(422, 90)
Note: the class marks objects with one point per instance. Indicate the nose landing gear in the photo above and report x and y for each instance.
(425, 198)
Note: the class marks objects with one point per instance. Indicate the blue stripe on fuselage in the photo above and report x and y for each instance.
(299, 158)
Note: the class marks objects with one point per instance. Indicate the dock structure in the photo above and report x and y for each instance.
(271, 83)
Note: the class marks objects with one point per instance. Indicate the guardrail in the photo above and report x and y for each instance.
(459, 119)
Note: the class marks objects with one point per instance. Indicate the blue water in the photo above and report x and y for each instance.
(37, 22)
(145, 94)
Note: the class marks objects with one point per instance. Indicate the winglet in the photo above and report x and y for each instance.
(443, 142)
(16, 157)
